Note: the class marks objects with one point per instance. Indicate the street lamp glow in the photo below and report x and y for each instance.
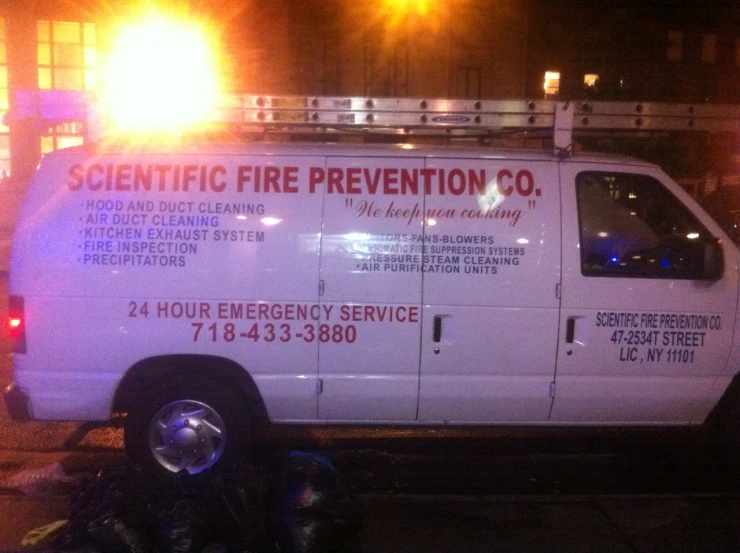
(406, 7)
(160, 76)
(399, 14)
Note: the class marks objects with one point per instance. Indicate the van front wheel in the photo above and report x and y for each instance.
(199, 428)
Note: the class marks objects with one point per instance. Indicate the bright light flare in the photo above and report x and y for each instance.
(405, 8)
(397, 15)
(492, 198)
(160, 76)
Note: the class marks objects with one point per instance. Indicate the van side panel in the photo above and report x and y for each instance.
(121, 258)
(492, 267)
(371, 254)
(369, 284)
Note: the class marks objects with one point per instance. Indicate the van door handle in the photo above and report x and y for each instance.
(437, 333)
(570, 330)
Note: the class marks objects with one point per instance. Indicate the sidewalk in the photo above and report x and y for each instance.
(19, 515)
(396, 523)
(414, 524)
(548, 525)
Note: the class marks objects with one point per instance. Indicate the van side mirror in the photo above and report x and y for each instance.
(714, 261)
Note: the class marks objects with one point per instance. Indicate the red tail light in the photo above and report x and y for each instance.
(17, 324)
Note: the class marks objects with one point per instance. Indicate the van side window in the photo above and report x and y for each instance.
(631, 226)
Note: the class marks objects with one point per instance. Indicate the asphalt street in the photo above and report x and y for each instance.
(449, 489)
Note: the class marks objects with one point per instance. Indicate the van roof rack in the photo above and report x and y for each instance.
(321, 115)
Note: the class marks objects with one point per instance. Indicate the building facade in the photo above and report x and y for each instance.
(648, 50)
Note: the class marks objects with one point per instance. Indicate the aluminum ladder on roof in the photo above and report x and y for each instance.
(405, 116)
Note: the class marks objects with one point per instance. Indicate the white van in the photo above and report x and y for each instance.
(203, 289)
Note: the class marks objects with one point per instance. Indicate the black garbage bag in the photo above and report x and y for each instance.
(180, 525)
(244, 508)
(313, 511)
(225, 511)
(106, 510)
(123, 510)
(114, 532)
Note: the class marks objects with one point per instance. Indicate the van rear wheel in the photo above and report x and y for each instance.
(197, 427)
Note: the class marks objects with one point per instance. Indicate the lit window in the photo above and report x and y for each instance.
(590, 79)
(62, 136)
(675, 46)
(67, 60)
(552, 83)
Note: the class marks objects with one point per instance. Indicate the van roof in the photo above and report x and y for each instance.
(340, 149)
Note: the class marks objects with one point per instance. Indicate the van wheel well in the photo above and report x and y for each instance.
(148, 372)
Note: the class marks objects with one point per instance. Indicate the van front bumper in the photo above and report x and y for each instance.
(18, 403)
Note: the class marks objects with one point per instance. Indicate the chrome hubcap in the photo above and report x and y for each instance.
(187, 435)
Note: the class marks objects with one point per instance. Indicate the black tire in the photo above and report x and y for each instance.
(193, 424)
